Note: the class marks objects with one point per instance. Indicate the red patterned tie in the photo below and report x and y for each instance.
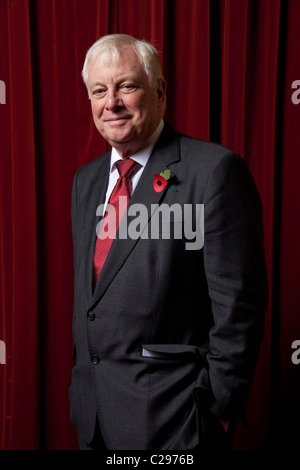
(113, 214)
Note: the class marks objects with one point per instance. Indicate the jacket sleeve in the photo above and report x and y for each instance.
(235, 269)
(73, 214)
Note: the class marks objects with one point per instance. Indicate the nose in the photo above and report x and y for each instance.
(113, 100)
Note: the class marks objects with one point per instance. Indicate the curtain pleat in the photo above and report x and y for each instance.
(229, 66)
(19, 263)
(250, 42)
(287, 326)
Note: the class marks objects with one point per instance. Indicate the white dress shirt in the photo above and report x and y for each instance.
(141, 157)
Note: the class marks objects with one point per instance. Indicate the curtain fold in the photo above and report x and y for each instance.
(19, 263)
(229, 65)
(250, 60)
(287, 320)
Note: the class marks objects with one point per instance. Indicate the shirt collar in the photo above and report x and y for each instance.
(141, 156)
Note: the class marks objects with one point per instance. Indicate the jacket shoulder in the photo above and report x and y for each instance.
(204, 157)
(90, 168)
(192, 147)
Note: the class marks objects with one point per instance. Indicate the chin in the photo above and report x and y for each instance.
(115, 138)
(117, 141)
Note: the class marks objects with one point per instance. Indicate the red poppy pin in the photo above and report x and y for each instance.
(161, 181)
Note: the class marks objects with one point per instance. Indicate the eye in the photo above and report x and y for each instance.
(128, 87)
(98, 92)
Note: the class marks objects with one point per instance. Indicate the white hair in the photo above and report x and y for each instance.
(109, 47)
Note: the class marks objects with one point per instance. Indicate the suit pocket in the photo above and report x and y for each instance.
(174, 351)
(173, 415)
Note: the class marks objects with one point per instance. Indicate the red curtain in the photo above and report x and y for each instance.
(230, 65)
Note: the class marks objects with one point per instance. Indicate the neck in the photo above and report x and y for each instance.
(128, 152)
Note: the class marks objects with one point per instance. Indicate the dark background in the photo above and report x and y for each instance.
(230, 65)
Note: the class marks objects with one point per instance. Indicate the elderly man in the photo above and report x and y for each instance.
(166, 332)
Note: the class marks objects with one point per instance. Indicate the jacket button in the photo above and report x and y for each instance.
(95, 360)
(91, 316)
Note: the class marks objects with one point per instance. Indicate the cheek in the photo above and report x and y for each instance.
(96, 109)
(148, 105)
(137, 103)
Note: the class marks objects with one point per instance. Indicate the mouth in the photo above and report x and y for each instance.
(118, 120)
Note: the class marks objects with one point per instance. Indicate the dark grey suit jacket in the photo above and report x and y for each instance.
(199, 313)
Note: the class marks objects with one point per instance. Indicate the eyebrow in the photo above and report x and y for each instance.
(118, 80)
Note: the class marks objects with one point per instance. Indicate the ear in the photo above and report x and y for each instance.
(161, 90)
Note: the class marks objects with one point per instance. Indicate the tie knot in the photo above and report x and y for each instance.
(126, 167)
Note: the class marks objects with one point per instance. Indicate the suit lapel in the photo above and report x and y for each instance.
(95, 197)
(165, 153)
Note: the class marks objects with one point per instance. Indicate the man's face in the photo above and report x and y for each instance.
(125, 108)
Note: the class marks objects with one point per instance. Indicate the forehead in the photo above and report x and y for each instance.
(113, 66)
